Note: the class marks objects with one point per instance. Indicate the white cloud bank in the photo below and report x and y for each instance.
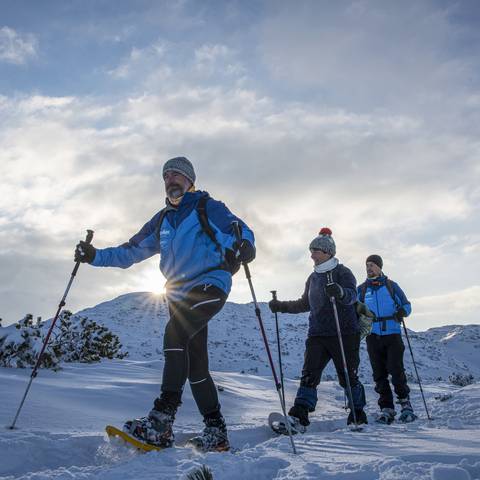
(401, 181)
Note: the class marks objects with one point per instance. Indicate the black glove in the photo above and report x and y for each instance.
(84, 252)
(334, 290)
(400, 314)
(275, 305)
(245, 251)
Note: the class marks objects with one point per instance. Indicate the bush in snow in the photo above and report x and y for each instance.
(20, 348)
(460, 379)
(202, 473)
(74, 339)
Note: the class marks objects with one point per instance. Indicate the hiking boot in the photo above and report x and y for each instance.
(387, 416)
(214, 437)
(360, 415)
(156, 428)
(300, 414)
(406, 413)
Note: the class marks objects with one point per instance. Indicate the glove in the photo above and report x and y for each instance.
(245, 251)
(400, 314)
(334, 290)
(275, 305)
(85, 252)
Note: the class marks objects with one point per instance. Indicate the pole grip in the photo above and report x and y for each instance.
(274, 294)
(236, 231)
(89, 237)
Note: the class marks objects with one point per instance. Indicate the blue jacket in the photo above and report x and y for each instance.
(380, 302)
(314, 300)
(188, 257)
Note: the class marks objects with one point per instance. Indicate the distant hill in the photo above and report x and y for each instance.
(235, 342)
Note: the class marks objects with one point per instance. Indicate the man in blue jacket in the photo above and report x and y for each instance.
(198, 252)
(322, 344)
(385, 346)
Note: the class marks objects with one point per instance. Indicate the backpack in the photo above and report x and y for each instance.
(230, 263)
(365, 319)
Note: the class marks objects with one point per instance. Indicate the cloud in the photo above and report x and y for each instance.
(17, 48)
(290, 144)
(457, 307)
(372, 54)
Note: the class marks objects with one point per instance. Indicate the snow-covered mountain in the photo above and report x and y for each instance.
(235, 342)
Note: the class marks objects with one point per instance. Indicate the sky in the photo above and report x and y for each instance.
(363, 116)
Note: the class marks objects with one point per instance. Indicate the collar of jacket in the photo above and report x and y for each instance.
(376, 282)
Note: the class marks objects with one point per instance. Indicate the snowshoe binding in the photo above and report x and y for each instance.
(155, 429)
(406, 413)
(214, 437)
(277, 424)
(387, 416)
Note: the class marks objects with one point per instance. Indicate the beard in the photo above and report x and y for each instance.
(174, 191)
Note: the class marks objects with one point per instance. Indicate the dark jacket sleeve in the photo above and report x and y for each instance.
(297, 306)
(349, 284)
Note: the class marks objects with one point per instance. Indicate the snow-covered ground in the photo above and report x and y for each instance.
(60, 431)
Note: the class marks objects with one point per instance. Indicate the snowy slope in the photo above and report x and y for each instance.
(60, 434)
(235, 342)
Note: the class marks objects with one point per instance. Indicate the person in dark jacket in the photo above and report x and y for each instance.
(385, 346)
(195, 259)
(322, 344)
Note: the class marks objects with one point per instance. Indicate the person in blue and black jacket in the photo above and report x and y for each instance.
(198, 253)
(385, 345)
(322, 344)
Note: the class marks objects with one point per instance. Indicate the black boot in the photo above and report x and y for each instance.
(301, 413)
(214, 437)
(156, 428)
(360, 415)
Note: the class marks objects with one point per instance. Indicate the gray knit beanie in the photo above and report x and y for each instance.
(324, 242)
(181, 165)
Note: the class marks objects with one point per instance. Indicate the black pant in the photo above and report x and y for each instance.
(318, 352)
(386, 357)
(185, 345)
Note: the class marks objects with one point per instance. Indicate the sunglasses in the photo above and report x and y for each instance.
(317, 250)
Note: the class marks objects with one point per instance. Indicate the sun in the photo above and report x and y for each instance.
(151, 280)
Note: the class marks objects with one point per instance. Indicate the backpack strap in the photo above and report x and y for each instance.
(204, 223)
(389, 285)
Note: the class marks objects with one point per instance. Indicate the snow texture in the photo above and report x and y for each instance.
(60, 432)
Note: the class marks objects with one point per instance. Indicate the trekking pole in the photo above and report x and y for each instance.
(236, 229)
(47, 338)
(344, 359)
(415, 366)
(279, 348)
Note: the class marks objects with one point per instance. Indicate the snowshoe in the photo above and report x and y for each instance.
(387, 416)
(360, 415)
(214, 437)
(155, 429)
(406, 414)
(277, 424)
